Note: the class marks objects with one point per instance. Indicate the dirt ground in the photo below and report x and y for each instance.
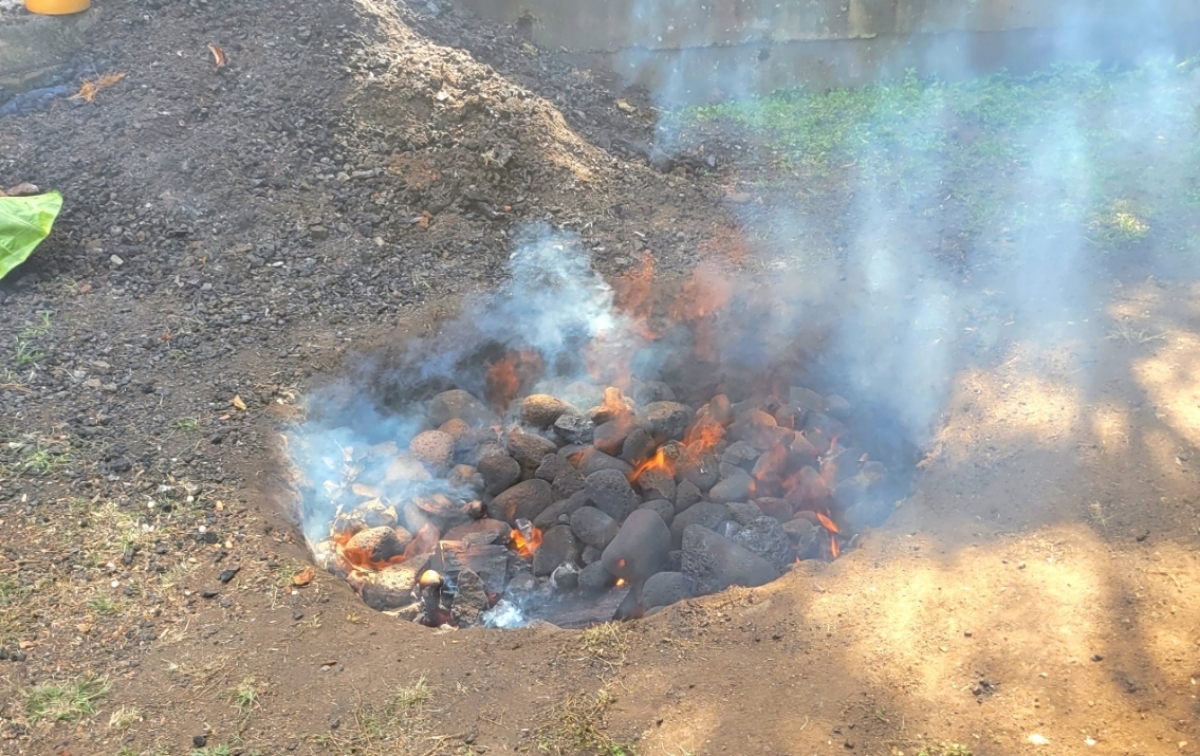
(237, 232)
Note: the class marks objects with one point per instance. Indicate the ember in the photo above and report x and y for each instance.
(536, 490)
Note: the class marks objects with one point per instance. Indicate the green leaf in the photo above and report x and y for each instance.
(24, 222)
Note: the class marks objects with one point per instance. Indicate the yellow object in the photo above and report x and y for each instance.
(57, 7)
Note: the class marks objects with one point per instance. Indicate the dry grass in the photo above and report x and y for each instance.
(71, 701)
(576, 725)
(91, 87)
(605, 643)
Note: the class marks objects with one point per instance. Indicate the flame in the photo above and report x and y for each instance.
(632, 292)
(829, 524)
(620, 582)
(833, 546)
(526, 546)
(702, 298)
(502, 382)
(614, 402)
(505, 377)
(659, 461)
(703, 434)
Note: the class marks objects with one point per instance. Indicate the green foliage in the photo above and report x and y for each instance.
(24, 223)
(65, 702)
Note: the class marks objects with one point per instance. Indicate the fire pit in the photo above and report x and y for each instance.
(574, 452)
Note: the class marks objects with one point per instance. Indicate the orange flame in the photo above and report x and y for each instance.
(829, 524)
(502, 382)
(703, 434)
(633, 295)
(526, 546)
(833, 546)
(702, 297)
(658, 462)
(620, 582)
(505, 377)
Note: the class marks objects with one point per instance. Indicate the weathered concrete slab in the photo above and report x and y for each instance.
(33, 47)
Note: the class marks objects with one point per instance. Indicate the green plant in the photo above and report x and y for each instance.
(187, 424)
(218, 750)
(24, 223)
(103, 605)
(65, 702)
(245, 695)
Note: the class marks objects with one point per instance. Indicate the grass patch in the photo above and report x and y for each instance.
(1003, 154)
(65, 702)
(953, 749)
(103, 605)
(245, 695)
(187, 424)
(1119, 225)
(576, 725)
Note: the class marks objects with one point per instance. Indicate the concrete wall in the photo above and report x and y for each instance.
(691, 46)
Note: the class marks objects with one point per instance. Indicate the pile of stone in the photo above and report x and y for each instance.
(586, 490)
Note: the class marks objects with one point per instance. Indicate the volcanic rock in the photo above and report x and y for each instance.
(470, 599)
(870, 512)
(459, 404)
(528, 448)
(807, 537)
(838, 406)
(567, 482)
(701, 469)
(785, 416)
(640, 547)
(765, 536)
(720, 410)
(481, 532)
(558, 546)
(392, 587)
(686, 494)
(611, 493)
(541, 410)
(712, 563)
(456, 428)
(550, 467)
(590, 554)
(657, 483)
(630, 606)
(526, 500)
(574, 429)
(803, 452)
(615, 405)
(566, 575)
(416, 518)
(593, 526)
(706, 514)
(373, 514)
(662, 507)
(743, 512)
(807, 399)
(380, 544)
(594, 460)
(737, 487)
(610, 437)
(653, 391)
(594, 578)
(499, 472)
(638, 447)
(582, 394)
(522, 582)
(666, 419)
(741, 454)
(664, 589)
(560, 511)
(466, 476)
(780, 509)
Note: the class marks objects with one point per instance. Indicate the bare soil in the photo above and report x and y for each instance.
(345, 178)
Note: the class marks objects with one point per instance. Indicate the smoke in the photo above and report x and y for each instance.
(941, 260)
